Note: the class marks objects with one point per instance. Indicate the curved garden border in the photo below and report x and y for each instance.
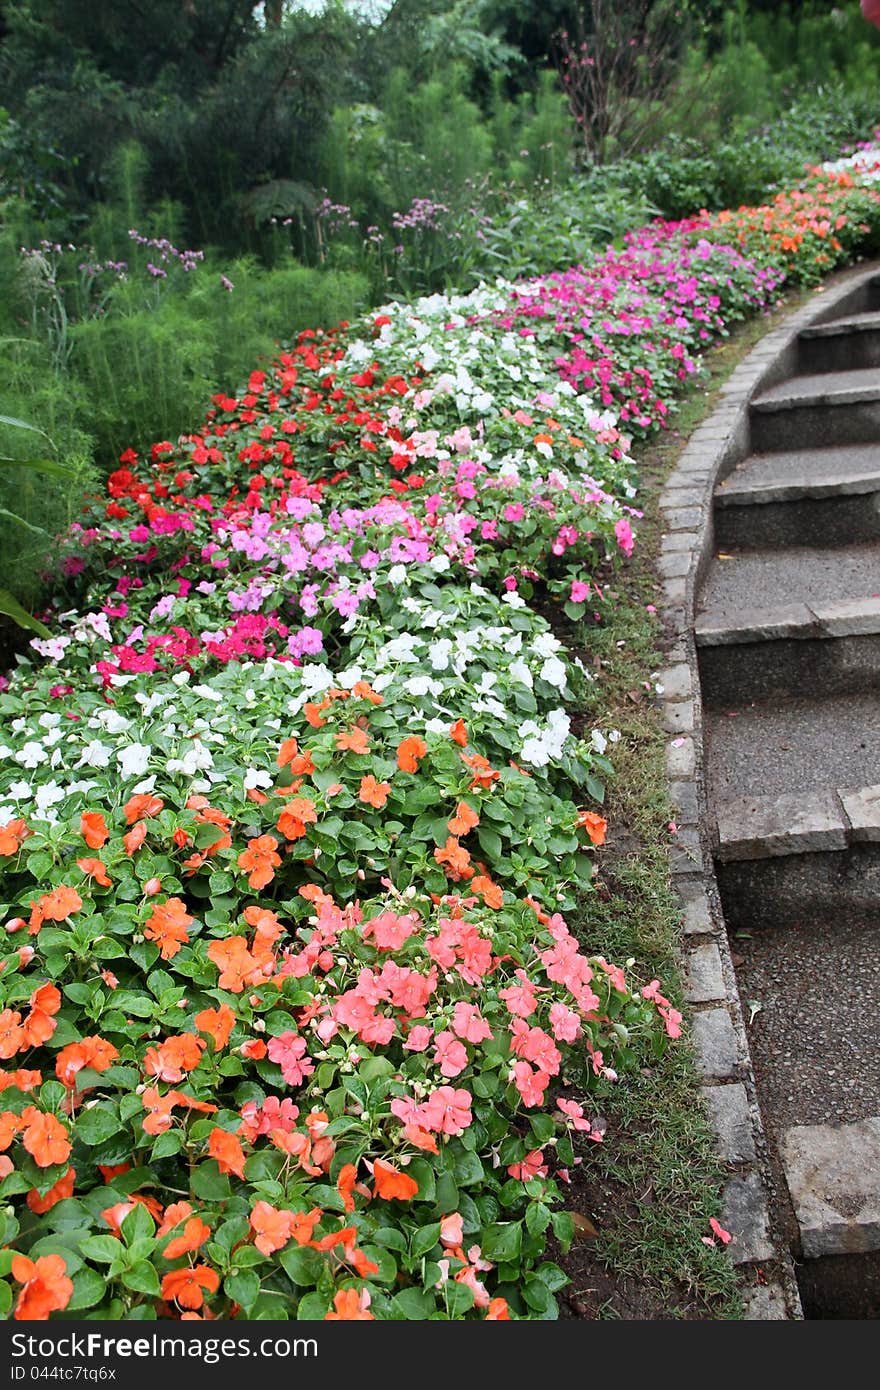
(716, 1018)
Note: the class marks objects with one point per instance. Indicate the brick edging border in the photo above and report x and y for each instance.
(714, 1007)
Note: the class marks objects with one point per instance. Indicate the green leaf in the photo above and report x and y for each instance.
(11, 608)
(301, 1265)
(468, 1169)
(502, 1240)
(95, 1125)
(209, 1183)
(424, 1239)
(413, 1305)
(143, 1279)
(537, 1218)
(243, 1288)
(103, 1249)
(137, 1225)
(88, 1289)
(459, 1299)
(490, 841)
(5, 1298)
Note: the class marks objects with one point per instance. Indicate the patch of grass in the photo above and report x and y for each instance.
(651, 1188)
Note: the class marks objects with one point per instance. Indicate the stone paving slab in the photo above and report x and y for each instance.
(833, 1176)
(861, 806)
(762, 827)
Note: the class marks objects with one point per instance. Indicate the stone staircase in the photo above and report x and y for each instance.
(788, 641)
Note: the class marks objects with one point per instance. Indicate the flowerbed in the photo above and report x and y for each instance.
(293, 808)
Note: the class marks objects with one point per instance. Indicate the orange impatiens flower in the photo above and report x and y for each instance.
(234, 961)
(141, 806)
(11, 1033)
(296, 815)
(497, 1310)
(595, 826)
(458, 733)
(300, 764)
(10, 1125)
(349, 1305)
(172, 1216)
(226, 1149)
(173, 1058)
(456, 859)
(409, 753)
(47, 1289)
(22, 1080)
(94, 1054)
(12, 836)
(193, 1237)
(314, 711)
(261, 860)
(373, 793)
(465, 819)
(167, 926)
(187, 1287)
(273, 1229)
(93, 828)
(134, 838)
(96, 869)
(389, 1182)
(158, 1107)
(40, 1023)
(60, 1190)
(362, 690)
(484, 774)
(217, 1023)
(352, 741)
(490, 892)
(55, 906)
(45, 1138)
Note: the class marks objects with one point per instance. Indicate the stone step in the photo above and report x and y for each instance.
(767, 827)
(799, 618)
(841, 344)
(833, 1177)
(791, 748)
(817, 410)
(807, 497)
(794, 803)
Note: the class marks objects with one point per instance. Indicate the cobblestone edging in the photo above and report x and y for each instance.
(715, 1011)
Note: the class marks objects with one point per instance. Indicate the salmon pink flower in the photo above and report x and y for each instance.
(449, 1054)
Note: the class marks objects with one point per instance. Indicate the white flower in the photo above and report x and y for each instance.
(197, 758)
(440, 563)
(31, 755)
(422, 685)
(397, 575)
(599, 741)
(437, 726)
(133, 760)
(145, 787)
(519, 671)
(514, 600)
(554, 673)
(207, 692)
(256, 777)
(349, 678)
(20, 791)
(181, 678)
(112, 721)
(440, 654)
(49, 720)
(545, 644)
(49, 795)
